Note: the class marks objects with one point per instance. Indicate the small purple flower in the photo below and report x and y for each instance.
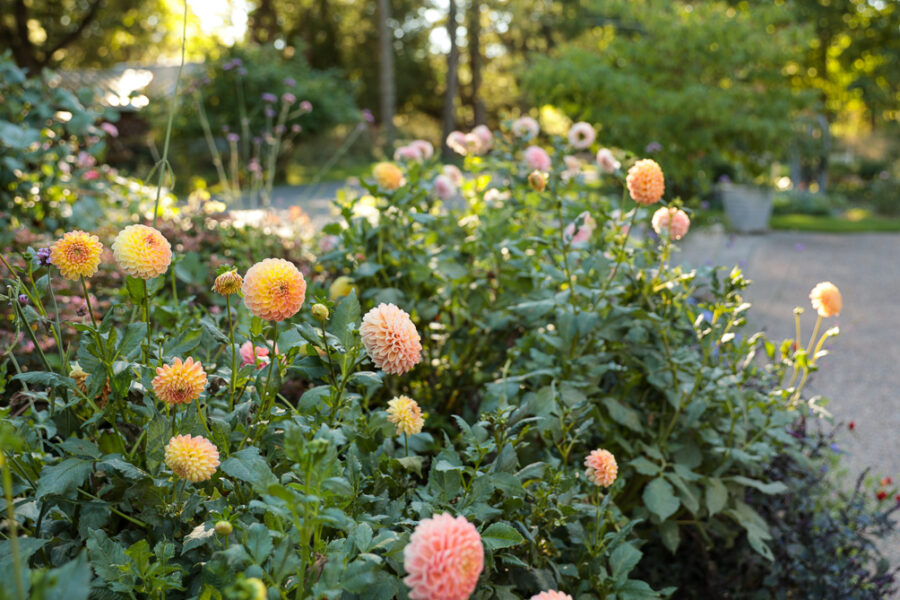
(254, 166)
(835, 448)
(653, 147)
(296, 128)
(707, 316)
(269, 112)
(43, 257)
(289, 81)
(367, 116)
(267, 97)
(23, 299)
(227, 66)
(288, 98)
(233, 138)
(279, 129)
(306, 106)
(799, 247)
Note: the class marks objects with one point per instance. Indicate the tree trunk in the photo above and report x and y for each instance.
(386, 72)
(473, 32)
(452, 83)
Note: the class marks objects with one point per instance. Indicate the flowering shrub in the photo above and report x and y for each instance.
(457, 400)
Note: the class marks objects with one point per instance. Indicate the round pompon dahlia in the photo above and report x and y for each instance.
(601, 468)
(673, 220)
(142, 251)
(826, 299)
(645, 182)
(443, 559)
(551, 595)
(582, 135)
(405, 413)
(192, 458)
(76, 254)
(388, 176)
(391, 339)
(228, 283)
(180, 382)
(274, 289)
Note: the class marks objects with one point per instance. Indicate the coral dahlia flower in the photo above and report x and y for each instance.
(76, 254)
(645, 182)
(826, 299)
(391, 339)
(673, 220)
(443, 559)
(192, 458)
(180, 382)
(405, 413)
(142, 251)
(274, 289)
(601, 468)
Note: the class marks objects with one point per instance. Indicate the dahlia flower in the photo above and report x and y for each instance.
(405, 413)
(424, 147)
(443, 187)
(525, 127)
(180, 382)
(192, 458)
(826, 299)
(537, 159)
(453, 172)
(443, 559)
(255, 355)
(405, 153)
(391, 339)
(76, 254)
(485, 136)
(456, 141)
(582, 135)
(274, 289)
(673, 220)
(142, 251)
(645, 182)
(601, 468)
(551, 595)
(607, 161)
(228, 283)
(584, 230)
(537, 181)
(388, 176)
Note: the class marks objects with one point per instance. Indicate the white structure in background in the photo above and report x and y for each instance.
(125, 86)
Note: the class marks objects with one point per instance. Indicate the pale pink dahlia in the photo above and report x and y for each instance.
(607, 161)
(673, 220)
(525, 127)
(391, 339)
(551, 595)
(582, 135)
(408, 153)
(443, 187)
(537, 159)
(601, 467)
(485, 136)
(424, 147)
(456, 141)
(586, 225)
(443, 559)
(453, 172)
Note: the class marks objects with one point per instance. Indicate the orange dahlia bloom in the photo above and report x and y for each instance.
(274, 289)
(826, 299)
(645, 182)
(192, 458)
(388, 176)
(443, 559)
(391, 339)
(551, 595)
(142, 251)
(180, 382)
(76, 254)
(405, 413)
(228, 283)
(601, 468)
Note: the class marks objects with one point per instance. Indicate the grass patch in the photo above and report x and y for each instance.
(854, 221)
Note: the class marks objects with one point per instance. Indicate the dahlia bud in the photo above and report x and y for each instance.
(224, 528)
(80, 376)
(320, 312)
(257, 588)
(23, 299)
(537, 181)
(228, 283)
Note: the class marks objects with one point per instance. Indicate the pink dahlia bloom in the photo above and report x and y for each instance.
(673, 220)
(607, 161)
(424, 147)
(255, 355)
(582, 135)
(444, 187)
(443, 559)
(453, 172)
(586, 226)
(551, 595)
(456, 141)
(407, 153)
(602, 468)
(484, 134)
(329, 243)
(391, 339)
(537, 159)
(110, 129)
(525, 127)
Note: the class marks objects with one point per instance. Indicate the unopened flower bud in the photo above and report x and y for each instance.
(23, 299)
(257, 587)
(224, 528)
(228, 283)
(537, 181)
(320, 312)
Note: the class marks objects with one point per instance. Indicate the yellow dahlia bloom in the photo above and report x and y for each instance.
(76, 254)
(142, 251)
(405, 413)
(192, 458)
(274, 289)
(180, 382)
(228, 283)
(826, 299)
(388, 176)
(646, 182)
(601, 468)
(341, 287)
(391, 339)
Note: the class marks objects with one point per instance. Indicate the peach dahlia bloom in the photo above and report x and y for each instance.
(582, 135)
(180, 382)
(826, 299)
(551, 595)
(142, 251)
(76, 254)
(228, 283)
(645, 182)
(601, 467)
(192, 458)
(274, 289)
(443, 559)
(391, 339)
(673, 220)
(388, 176)
(537, 159)
(404, 412)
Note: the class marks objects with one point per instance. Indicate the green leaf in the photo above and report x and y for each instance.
(412, 463)
(62, 479)
(259, 542)
(51, 380)
(623, 559)
(247, 465)
(644, 466)
(131, 339)
(346, 314)
(622, 414)
(71, 581)
(660, 499)
(774, 487)
(716, 496)
(501, 535)
(671, 538)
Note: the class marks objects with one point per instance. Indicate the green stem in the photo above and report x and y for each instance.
(406, 443)
(233, 355)
(266, 406)
(164, 161)
(137, 522)
(149, 341)
(11, 523)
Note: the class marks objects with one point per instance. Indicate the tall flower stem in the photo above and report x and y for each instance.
(11, 521)
(233, 355)
(149, 344)
(265, 404)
